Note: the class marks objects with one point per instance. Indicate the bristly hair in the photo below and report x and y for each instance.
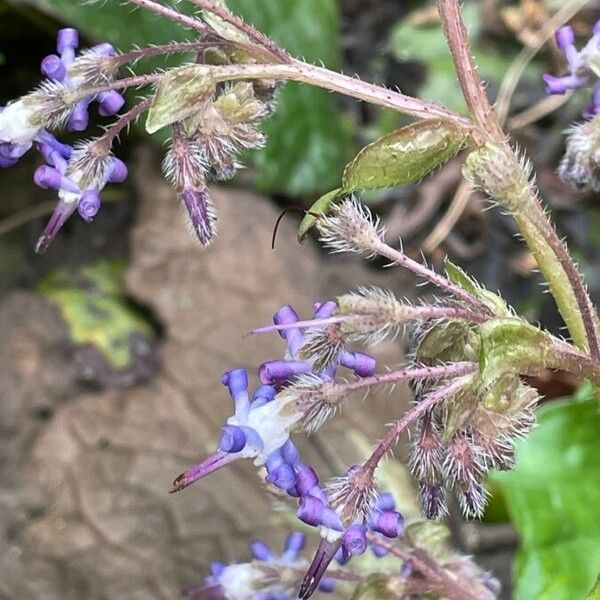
(351, 227)
(322, 345)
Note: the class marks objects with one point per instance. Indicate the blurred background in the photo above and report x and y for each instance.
(114, 341)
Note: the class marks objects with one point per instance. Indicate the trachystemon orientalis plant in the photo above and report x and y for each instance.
(469, 348)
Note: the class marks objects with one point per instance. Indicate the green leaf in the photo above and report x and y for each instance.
(595, 593)
(93, 304)
(321, 207)
(179, 94)
(554, 501)
(309, 138)
(497, 305)
(404, 156)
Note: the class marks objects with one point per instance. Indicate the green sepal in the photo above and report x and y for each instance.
(404, 156)
(321, 207)
(494, 302)
(178, 95)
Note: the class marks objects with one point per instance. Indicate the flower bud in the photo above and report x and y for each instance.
(89, 205)
(232, 439)
(260, 550)
(354, 540)
(53, 68)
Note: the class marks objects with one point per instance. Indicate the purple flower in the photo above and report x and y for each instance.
(258, 429)
(254, 580)
(278, 372)
(79, 175)
(582, 67)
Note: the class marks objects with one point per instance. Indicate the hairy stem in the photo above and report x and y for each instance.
(252, 33)
(480, 107)
(421, 562)
(158, 50)
(173, 15)
(448, 371)
(435, 278)
(466, 70)
(107, 138)
(396, 430)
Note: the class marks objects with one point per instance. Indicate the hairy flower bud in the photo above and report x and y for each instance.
(580, 166)
(351, 227)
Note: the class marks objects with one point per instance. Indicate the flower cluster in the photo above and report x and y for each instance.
(268, 577)
(206, 144)
(78, 173)
(582, 65)
(260, 428)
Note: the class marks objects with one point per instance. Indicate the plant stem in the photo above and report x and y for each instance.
(148, 51)
(435, 278)
(448, 371)
(252, 33)
(435, 574)
(466, 70)
(392, 436)
(173, 15)
(535, 216)
(106, 139)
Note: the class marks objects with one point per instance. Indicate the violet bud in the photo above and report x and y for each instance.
(232, 439)
(53, 67)
(354, 540)
(264, 394)
(378, 551)
(110, 103)
(323, 310)
(389, 523)
(294, 337)
(306, 480)
(565, 37)
(217, 568)
(362, 364)
(295, 541)
(290, 453)
(79, 118)
(47, 177)
(118, 171)
(7, 162)
(89, 205)
(277, 371)
(386, 502)
(282, 476)
(327, 585)
(104, 49)
(260, 550)
(67, 39)
(313, 512)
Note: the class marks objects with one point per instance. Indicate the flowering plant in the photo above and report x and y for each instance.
(470, 349)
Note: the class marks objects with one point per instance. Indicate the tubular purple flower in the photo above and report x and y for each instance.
(53, 67)
(88, 205)
(109, 103)
(354, 540)
(389, 523)
(276, 372)
(201, 213)
(261, 551)
(232, 439)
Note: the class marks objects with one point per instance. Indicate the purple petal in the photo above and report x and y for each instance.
(354, 540)
(284, 316)
(261, 551)
(565, 37)
(60, 215)
(67, 39)
(118, 171)
(110, 103)
(389, 523)
(53, 67)
(362, 364)
(215, 461)
(323, 557)
(232, 439)
(89, 205)
(279, 371)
